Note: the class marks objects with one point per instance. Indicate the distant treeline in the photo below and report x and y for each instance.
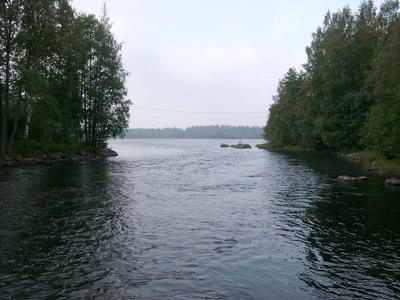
(62, 82)
(347, 96)
(199, 132)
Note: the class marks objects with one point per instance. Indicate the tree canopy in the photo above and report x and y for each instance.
(347, 95)
(62, 82)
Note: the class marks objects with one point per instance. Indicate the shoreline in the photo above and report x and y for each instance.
(369, 160)
(47, 159)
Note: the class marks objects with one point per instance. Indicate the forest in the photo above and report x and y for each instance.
(346, 97)
(62, 82)
(199, 132)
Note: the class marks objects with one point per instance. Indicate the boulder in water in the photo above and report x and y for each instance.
(392, 181)
(241, 146)
(106, 153)
(224, 145)
(351, 178)
(353, 157)
(372, 166)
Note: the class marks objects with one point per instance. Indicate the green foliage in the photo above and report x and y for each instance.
(282, 127)
(347, 97)
(62, 81)
(382, 129)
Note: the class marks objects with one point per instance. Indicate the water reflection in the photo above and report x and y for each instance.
(61, 227)
(352, 236)
(353, 244)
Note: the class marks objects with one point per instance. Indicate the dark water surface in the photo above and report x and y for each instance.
(185, 219)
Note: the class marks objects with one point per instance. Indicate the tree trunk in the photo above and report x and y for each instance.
(15, 127)
(6, 97)
(1, 115)
(4, 126)
(28, 121)
(14, 131)
(2, 148)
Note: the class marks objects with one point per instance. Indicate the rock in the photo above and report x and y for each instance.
(224, 145)
(84, 153)
(372, 166)
(353, 156)
(106, 152)
(7, 163)
(392, 181)
(40, 161)
(241, 146)
(7, 158)
(54, 156)
(351, 179)
(26, 160)
(75, 157)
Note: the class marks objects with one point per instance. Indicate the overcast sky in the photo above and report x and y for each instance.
(222, 58)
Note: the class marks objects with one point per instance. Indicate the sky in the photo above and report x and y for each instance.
(209, 62)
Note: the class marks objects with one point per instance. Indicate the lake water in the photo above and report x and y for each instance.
(186, 219)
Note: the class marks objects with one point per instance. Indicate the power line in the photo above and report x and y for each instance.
(198, 112)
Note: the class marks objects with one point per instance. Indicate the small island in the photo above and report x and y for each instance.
(240, 145)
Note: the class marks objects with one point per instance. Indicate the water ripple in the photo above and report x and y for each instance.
(189, 220)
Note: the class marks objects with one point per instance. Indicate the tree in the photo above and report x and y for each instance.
(347, 97)
(382, 130)
(282, 126)
(62, 81)
(10, 22)
(105, 110)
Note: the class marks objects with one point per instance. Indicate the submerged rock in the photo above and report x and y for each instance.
(350, 178)
(392, 181)
(106, 153)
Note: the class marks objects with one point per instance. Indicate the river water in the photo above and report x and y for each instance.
(185, 219)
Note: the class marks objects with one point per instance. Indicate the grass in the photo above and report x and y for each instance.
(268, 146)
(383, 165)
(265, 146)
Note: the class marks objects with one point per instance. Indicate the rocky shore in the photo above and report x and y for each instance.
(370, 161)
(373, 162)
(44, 159)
